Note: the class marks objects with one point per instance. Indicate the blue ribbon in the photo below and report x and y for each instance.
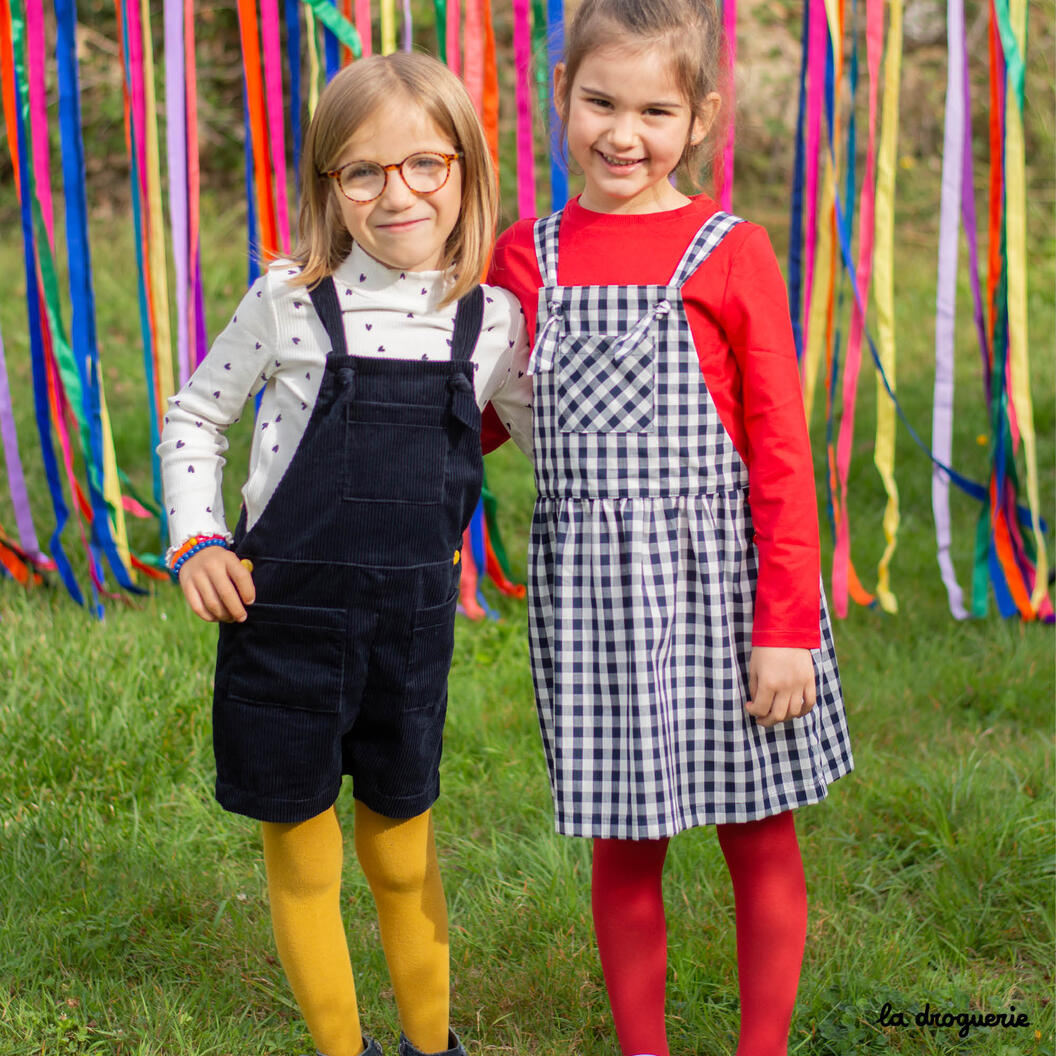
(252, 263)
(852, 127)
(85, 346)
(555, 46)
(293, 58)
(333, 50)
(799, 168)
(476, 545)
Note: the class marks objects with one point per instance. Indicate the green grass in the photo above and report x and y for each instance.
(133, 918)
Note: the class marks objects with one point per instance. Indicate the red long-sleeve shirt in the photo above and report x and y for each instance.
(738, 313)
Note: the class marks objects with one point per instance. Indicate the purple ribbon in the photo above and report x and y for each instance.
(176, 139)
(946, 300)
(16, 480)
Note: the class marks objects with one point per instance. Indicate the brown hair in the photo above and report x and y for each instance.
(690, 33)
(354, 94)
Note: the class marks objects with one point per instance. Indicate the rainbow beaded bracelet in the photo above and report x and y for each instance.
(192, 546)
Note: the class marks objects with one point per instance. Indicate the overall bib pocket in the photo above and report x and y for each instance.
(288, 656)
(600, 392)
(395, 452)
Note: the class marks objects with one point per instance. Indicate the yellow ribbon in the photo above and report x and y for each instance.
(388, 27)
(112, 487)
(1016, 248)
(819, 293)
(883, 269)
(313, 60)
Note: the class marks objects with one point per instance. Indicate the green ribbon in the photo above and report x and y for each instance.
(440, 6)
(337, 24)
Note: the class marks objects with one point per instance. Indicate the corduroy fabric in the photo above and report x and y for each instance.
(341, 667)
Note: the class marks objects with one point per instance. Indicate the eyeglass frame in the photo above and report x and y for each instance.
(335, 174)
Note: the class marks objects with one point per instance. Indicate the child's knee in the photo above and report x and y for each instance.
(396, 855)
(303, 860)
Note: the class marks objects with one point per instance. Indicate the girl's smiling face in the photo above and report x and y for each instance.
(401, 229)
(628, 124)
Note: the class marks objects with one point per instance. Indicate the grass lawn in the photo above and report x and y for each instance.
(133, 919)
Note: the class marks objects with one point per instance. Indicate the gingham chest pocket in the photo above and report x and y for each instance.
(604, 385)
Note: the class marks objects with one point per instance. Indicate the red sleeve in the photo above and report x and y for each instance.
(492, 432)
(514, 267)
(755, 319)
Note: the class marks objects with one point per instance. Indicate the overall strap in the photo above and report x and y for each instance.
(469, 315)
(546, 230)
(324, 298)
(711, 233)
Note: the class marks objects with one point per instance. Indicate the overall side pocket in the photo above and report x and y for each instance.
(288, 656)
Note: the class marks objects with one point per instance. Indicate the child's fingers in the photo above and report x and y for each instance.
(802, 704)
(241, 575)
(229, 595)
(777, 711)
(211, 602)
(760, 704)
(194, 599)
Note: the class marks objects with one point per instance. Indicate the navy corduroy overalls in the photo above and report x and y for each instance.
(342, 664)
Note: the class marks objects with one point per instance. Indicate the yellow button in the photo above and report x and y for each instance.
(457, 557)
(247, 564)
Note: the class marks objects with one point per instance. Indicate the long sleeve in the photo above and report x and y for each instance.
(755, 320)
(510, 389)
(513, 267)
(193, 441)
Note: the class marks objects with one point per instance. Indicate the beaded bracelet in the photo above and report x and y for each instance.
(176, 552)
(193, 545)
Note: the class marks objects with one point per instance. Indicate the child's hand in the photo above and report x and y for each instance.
(217, 585)
(781, 684)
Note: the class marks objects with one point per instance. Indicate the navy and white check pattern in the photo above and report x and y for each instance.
(642, 575)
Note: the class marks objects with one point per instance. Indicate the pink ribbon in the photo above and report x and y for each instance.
(38, 108)
(138, 90)
(473, 67)
(269, 35)
(522, 52)
(363, 25)
(454, 19)
(729, 25)
(874, 38)
(815, 89)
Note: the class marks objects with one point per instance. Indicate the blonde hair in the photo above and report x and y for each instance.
(350, 99)
(689, 31)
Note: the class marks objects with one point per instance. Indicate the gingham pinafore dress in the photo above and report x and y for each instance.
(642, 572)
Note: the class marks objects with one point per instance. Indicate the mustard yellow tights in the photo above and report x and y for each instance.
(398, 857)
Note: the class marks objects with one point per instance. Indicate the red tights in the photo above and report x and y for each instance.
(770, 896)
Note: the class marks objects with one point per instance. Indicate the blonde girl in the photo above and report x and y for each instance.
(374, 347)
(681, 651)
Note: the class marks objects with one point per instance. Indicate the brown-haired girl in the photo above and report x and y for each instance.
(374, 347)
(681, 649)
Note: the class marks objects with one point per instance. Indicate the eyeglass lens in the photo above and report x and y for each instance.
(364, 180)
